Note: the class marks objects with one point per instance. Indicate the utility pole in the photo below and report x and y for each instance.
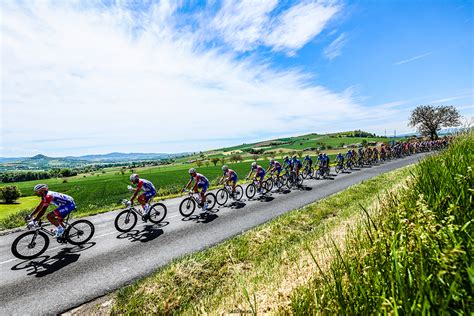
(394, 133)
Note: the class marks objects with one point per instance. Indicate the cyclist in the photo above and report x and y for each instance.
(340, 160)
(308, 161)
(201, 183)
(149, 191)
(230, 178)
(274, 166)
(348, 157)
(296, 165)
(259, 173)
(326, 162)
(65, 205)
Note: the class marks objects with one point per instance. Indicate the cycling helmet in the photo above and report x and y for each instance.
(286, 158)
(192, 170)
(307, 156)
(254, 164)
(338, 154)
(133, 177)
(272, 161)
(225, 168)
(294, 157)
(40, 187)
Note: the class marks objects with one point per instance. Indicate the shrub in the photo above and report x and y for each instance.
(10, 193)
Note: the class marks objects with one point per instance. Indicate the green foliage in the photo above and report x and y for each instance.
(414, 255)
(9, 194)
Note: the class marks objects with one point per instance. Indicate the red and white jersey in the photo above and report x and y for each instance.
(56, 198)
(145, 185)
(230, 173)
(199, 178)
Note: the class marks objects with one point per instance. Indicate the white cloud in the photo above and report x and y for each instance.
(248, 24)
(335, 48)
(401, 62)
(299, 25)
(84, 80)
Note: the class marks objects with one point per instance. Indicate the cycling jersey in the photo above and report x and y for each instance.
(340, 157)
(200, 179)
(56, 198)
(276, 165)
(231, 174)
(64, 202)
(309, 160)
(145, 185)
(297, 163)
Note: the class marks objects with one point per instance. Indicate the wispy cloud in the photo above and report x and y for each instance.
(401, 62)
(246, 25)
(130, 78)
(335, 48)
(453, 98)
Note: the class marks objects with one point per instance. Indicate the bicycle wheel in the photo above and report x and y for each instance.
(269, 184)
(299, 180)
(222, 196)
(125, 221)
(187, 207)
(337, 168)
(239, 193)
(250, 190)
(210, 200)
(280, 182)
(265, 187)
(30, 244)
(157, 213)
(305, 173)
(79, 232)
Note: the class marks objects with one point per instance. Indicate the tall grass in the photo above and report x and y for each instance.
(413, 255)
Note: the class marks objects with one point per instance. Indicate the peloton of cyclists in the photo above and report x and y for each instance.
(65, 205)
(201, 183)
(149, 191)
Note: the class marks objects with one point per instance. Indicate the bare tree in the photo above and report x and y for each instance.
(429, 119)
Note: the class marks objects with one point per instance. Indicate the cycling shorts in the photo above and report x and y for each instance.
(234, 178)
(147, 195)
(64, 210)
(203, 186)
(260, 175)
(278, 171)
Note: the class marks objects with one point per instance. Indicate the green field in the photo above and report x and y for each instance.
(24, 203)
(103, 190)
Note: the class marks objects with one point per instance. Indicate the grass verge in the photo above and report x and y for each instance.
(413, 255)
(255, 271)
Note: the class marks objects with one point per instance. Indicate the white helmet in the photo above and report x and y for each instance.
(41, 187)
(254, 164)
(192, 170)
(225, 168)
(133, 177)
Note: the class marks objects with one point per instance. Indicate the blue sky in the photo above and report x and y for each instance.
(83, 77)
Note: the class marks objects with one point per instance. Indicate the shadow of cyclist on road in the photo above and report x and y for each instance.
(148, 233)
(45, 265)
(236, 205)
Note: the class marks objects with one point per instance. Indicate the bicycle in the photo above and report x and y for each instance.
(223, 194)
(307, 172)
(127, 219)
(252, 188)
(293, 180)
(322, 172)
(279, 181)
(35, 242)
(188, 205)
(339, 167)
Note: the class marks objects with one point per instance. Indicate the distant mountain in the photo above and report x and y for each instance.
(42, 162)
(116, 156)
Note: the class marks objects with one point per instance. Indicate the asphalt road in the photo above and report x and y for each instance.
(67, 276)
